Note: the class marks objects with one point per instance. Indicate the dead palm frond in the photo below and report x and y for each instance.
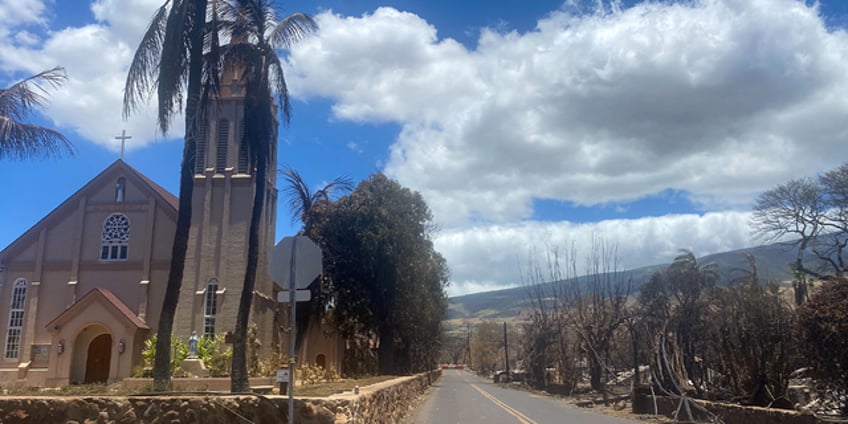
(301, 197)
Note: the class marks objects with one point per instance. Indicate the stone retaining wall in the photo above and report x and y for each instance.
(731, 414)
(384, 402)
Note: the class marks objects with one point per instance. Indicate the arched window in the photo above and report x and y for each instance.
(16, 319)
(223, 141)
(120, 189)
(115, 238)
(210, 307)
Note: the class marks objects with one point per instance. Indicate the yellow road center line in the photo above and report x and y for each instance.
(523, 419)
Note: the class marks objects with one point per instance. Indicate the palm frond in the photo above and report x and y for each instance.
(226, 14)
(173, 62)
(292, 29)
(277, 80)
(23, 141)
(20, 98)
(212, 59)
(302, 199)
(142, 74)
(298, 192)
(337, 185)
(53, 77)
(20, 139)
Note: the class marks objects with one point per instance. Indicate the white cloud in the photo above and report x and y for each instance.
(126, 20)
(717, 98)
(16, 12)
(95, 57)
(26, 38)
(354, 147)
(496, 256)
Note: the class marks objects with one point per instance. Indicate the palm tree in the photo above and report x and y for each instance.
(302, 203)
(302, 199)
(170, 57)
(20, 139)
(255, 35)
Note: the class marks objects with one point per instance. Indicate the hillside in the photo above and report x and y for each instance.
(772, 264)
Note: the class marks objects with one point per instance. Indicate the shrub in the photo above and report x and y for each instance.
(179, 352)
(141, 371)
(216, 355)
(253, 348)
(269, 365)
(312, 374)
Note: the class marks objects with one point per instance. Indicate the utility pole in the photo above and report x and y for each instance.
(506, 354)
(468, 342)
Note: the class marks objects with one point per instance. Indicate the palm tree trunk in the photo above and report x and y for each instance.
(240, 382)
(162, 360)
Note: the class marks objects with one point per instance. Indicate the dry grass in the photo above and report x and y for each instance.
(75, 390)
(334, 387)
(310, 390)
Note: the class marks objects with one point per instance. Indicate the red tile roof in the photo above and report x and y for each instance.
(122, 308)
(110, 298)
(172, 200)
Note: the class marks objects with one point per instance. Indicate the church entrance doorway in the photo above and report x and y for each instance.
(98, 358)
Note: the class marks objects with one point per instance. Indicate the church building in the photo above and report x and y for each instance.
(84, 286)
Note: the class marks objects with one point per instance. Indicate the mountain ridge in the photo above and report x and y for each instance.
(772, 261)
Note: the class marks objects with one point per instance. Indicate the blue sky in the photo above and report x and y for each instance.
(526, 126)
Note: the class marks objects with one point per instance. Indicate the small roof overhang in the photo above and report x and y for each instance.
(104, 297)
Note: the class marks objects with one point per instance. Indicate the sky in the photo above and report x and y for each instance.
(526, 126)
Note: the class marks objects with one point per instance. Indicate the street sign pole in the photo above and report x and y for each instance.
(293, 331)
(296, 260)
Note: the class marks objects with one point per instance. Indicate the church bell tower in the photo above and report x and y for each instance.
(224, 185)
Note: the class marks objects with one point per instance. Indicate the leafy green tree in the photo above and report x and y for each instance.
(170, 57)
(419, 327)
(302, 201)
(256, 36)
(18, 138)
(385, 275)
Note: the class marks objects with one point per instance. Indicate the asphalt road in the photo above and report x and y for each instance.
(461, 397)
